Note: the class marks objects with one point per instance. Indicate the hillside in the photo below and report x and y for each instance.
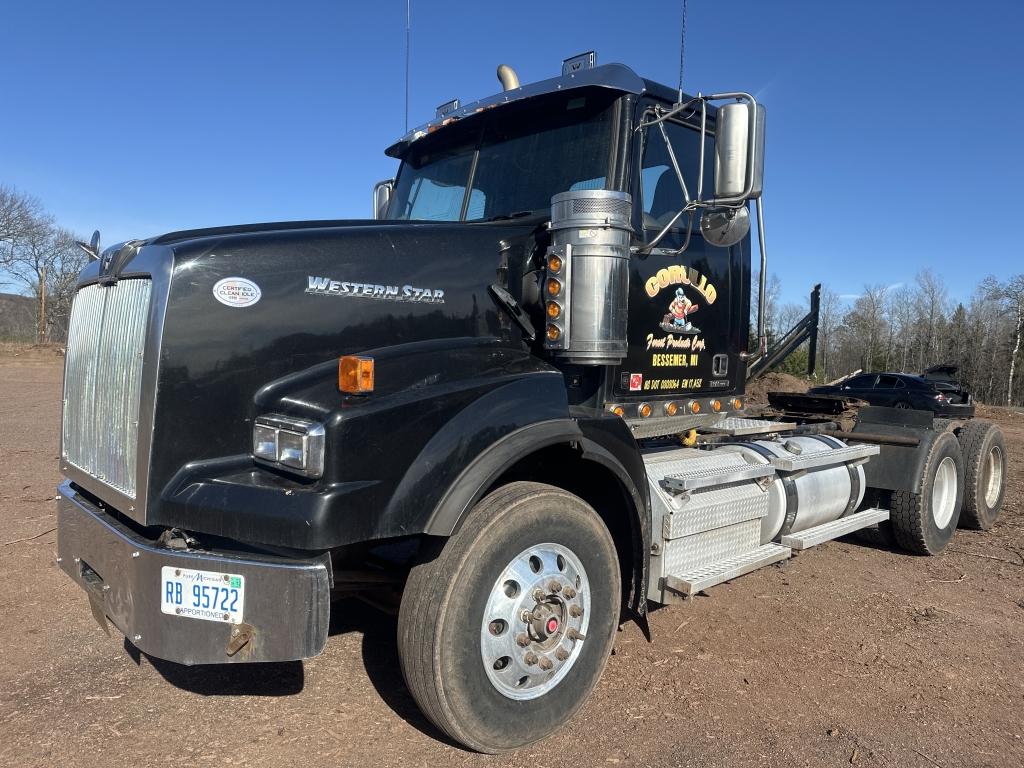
(17, 317)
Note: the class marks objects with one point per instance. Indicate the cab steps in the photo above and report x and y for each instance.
(819, 534)
(699, 579)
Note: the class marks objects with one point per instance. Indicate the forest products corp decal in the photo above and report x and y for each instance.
(682, 343)
(324, 286)
(236, 292)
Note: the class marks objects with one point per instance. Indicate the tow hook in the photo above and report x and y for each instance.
(239, 638)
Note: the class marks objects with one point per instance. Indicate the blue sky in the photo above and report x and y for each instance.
(893, 127)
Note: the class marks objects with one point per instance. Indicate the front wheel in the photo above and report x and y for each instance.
(505, 633)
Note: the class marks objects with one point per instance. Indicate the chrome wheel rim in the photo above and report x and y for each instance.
(992, 476)
(944, 490)
(535, 621)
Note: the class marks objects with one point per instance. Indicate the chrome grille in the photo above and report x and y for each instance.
(103, 381)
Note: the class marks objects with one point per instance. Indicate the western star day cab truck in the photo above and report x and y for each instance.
(515, 398)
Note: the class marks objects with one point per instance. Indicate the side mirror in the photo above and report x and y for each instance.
(739, 152)
(382, 197)
(92, 248)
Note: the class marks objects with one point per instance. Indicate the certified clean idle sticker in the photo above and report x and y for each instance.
(236, 292)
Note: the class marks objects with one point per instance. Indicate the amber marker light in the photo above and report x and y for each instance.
(553, 332)
(618, 410)
(644, 410)
(554, 287)
(671, 408)
(554, 263)
(694, 406)
(554, 311)
(355, 374)
(716, 405)
(737, 403)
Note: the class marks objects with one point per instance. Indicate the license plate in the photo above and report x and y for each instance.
(203, 595)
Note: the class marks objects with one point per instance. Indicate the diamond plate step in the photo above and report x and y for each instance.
(796, 463)
(691, 479)
(844, 525)
(736, 425)
(701, 578)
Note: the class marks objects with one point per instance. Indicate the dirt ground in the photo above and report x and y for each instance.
(849, 654)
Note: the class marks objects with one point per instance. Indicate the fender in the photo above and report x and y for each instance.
(604, 441)
(897, 467)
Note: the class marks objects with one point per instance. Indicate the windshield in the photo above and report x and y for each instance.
(510, 162)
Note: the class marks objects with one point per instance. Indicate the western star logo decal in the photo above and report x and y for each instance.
(325, 286)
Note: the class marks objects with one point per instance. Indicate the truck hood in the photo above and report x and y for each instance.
(237, 308)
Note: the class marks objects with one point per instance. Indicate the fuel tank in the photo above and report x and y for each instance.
(801, 501)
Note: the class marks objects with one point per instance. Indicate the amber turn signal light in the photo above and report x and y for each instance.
(554, 287)
(737, 403)
(355, 374)
(553, 332)
(694, 406)
(671, 408)
(716, 405)
(554, 263)
(554, 311)
(644, 410)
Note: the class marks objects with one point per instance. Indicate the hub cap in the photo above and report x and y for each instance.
(992, 476)
(944, 492)
(535, 621)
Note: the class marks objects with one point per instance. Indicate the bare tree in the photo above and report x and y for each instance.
(45, 260)
(19, 214)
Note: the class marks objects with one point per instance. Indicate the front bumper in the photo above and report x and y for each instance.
(287, 601)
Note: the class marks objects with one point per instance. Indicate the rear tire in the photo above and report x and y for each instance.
(467, 605)
(924, 522)
(984, 450)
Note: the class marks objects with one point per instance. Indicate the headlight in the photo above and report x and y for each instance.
(296, 445)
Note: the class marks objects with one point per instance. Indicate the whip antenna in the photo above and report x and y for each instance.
(682, 52)
(408, 28)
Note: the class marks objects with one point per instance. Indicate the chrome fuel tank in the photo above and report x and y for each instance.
(802, 500)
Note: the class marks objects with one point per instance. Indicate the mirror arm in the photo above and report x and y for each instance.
(671, 113)
(664, 231)
(762, 337)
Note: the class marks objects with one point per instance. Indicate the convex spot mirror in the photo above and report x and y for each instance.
(739, 152)
(382, 198)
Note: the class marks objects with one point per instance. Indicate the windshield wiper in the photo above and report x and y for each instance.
(516, 215)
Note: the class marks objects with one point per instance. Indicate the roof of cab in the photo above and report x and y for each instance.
(617, 77)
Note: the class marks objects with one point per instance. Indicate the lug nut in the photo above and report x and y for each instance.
(545, 663)
(561, 654)
(522, 639)
(554, 586)
(570, 592)
(530, 659)
(572, 634)
(538, 595)
(575, 611)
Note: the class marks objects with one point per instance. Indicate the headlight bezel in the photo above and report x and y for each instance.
(297, 444)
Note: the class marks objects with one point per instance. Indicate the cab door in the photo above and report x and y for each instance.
(688, 311)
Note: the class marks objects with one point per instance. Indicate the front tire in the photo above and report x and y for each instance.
(924, 522)
(505, 633)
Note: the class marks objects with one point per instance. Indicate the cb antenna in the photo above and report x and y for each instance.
(682, 52)
(408, 34)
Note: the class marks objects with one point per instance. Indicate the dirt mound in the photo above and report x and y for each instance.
(773, 381)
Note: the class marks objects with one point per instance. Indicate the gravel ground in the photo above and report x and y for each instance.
(849, 654)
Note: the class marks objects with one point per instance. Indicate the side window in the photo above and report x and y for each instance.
(886, 382)
(900, 383)
(859, 382)
(662, 194)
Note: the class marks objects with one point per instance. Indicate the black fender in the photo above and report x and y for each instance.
(897, 467)
(604, 441)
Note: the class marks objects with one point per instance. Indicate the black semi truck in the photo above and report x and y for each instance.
(514, 398)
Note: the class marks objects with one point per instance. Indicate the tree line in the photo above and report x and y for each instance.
(909, 328)
(40, 258)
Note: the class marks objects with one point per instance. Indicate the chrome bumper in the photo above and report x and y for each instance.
(287, 601)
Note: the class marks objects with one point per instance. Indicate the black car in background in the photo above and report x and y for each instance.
(901, 390)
